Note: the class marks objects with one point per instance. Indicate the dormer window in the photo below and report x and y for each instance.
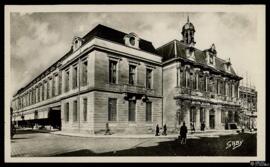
(211, 55)
(211, 59)
(132, 40)
(227, 66)
(76, 43)
(190, 53)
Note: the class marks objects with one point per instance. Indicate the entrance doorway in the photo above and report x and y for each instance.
(212, 119)
(54, 117)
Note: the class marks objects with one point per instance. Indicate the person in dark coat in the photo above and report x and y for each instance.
(183, 133)
(157, 130)
(107, 131)
(164, 130)
(202, 126)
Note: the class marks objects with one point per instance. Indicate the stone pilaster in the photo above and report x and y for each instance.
(206, 108)
(186, 115)
(218, 117)
(197, 118)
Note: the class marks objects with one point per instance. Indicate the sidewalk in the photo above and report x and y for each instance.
(198, 134)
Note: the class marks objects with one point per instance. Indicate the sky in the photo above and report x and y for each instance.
(40, 39)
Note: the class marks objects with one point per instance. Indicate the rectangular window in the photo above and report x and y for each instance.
(60, 83)
(230, 90)
(132, 74)
(217, 87)
(48, 89)
(38, 94)
(84, 73)
(113, 71)
(112, 109)
(131, 110)
(188, 79)
(194, 81)
(67, 81)
(182, 78)
(148, 112)
(205, 83)
(221, 88)
(75, 77)
(148, 78)
(85, 109)
(201, 82)
(32, 96)
(53, 86)
(66, 112)
(42, 92)
(75, 113)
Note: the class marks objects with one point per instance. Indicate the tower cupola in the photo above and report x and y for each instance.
(188, 31)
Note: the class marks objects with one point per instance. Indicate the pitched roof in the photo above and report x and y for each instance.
(168, 51)
(113, 35)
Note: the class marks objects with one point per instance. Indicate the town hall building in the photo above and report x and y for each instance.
(118, 78)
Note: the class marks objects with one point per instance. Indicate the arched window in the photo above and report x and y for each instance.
(182, 77)
(188, 78)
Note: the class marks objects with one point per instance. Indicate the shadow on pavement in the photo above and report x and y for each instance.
(16, 138)
(205, 146)
(30, 131)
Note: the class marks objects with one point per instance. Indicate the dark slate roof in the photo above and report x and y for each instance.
(167, 51)
(113, 35)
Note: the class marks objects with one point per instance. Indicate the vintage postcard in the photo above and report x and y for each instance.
(135, 83)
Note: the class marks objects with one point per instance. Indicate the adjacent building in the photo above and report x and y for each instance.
(248, 99)
(109, 76)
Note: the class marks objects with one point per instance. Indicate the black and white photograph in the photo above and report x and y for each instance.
(135, 83)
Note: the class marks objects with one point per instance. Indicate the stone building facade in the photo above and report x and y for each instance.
(248, 100)
(109, 76)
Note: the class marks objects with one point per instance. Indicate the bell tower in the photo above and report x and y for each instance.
(188, 31)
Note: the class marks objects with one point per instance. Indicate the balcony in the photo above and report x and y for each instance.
(204, 94)
(127, 88)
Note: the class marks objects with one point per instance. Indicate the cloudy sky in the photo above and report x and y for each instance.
(39, 39)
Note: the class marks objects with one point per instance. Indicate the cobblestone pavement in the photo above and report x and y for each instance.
(46, 144)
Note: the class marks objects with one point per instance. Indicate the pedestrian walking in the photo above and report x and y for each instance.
(183, 133)
(202, 126)
(164, 130)
(107, 130)
(157, 130)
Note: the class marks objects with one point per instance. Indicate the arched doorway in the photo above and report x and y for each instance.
(212, 119)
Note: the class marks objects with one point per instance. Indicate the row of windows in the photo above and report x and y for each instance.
(49, 88)
(112, 110)
(196, 81)
(75, 80)
(75, 111)
(226, 116)
(41, 92)
(113, 75)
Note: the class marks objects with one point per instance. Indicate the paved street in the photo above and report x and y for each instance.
(28, 143)
(31, 144)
